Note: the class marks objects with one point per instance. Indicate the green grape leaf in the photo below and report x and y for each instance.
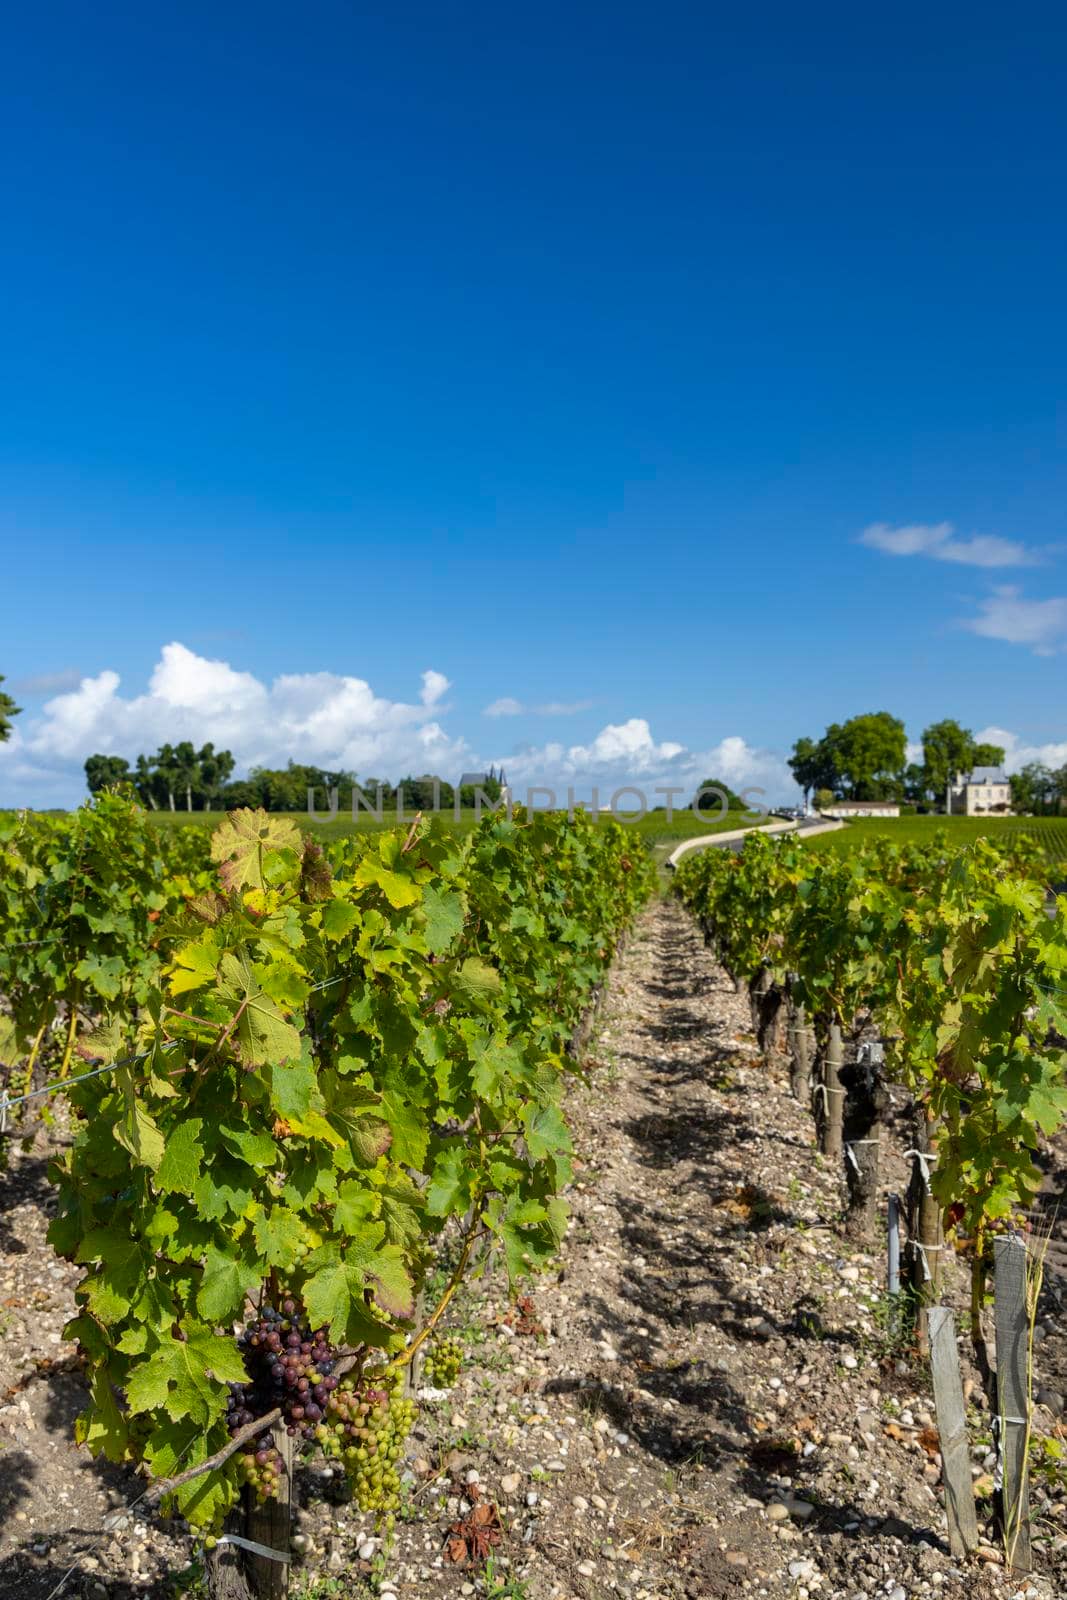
(187, 1378)
(261, 1032)
(280, 1237)
(450, 1187)
(445, 912)
(226, 1283)
(180, 1167)
(338, 919)
(399, 891)
(241, 842)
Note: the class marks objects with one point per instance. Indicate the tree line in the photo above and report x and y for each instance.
(180, 777)
(865, 758)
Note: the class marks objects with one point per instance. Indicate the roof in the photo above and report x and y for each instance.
(988, 775)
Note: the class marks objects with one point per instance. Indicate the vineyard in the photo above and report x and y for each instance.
(1047, 834)
(305, 1075)
(331, 1133)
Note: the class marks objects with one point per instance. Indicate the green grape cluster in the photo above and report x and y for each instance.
(442, 1366)
(367, 1428)
(261, 1469)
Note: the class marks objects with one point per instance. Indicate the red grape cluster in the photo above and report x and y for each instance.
(290, 1366)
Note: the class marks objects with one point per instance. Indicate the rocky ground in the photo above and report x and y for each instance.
(704, 1400)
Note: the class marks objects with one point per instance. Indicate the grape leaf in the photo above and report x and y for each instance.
(226, 1282)
(241, 842)
(187, 1377)
(180, 1166)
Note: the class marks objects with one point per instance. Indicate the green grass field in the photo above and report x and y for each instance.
(660, 835)
(1050, 832)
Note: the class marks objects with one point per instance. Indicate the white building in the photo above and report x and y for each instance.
(862, 808)
(982, 792)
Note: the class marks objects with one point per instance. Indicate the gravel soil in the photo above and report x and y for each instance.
(701, 1400)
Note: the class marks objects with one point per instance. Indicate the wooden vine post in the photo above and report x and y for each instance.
(1012, 1318)
(236, 1573)
(801, 1084)
(952, 1432)
(924, 1227)
(269, 1524)
(834, 1095)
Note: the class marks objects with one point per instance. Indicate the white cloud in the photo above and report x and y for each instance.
(509, 707)
(1007, 614)
(1017, 753)
(320, 717)
(627, 753)
(935, 539)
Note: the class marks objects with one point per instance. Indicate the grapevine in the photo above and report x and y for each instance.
(322, 1062)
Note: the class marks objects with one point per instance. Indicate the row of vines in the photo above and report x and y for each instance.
(293, 1077)
(957, 960)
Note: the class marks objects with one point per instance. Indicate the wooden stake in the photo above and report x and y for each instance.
(268, 1523)
(835, 1095)
(1012, 1319)
(952, 1429)
(801, 1057)
(924, 1226)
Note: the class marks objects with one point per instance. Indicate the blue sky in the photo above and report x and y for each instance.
(563, 354)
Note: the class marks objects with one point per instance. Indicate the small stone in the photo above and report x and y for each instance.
(735, 1558)
(510, 1483)
(777, 1512)
(587, 1569)
(366, 1550)
(850, 1362)
(600, 1503)
(532, 1498)
(459, 1420)
(555, 1466)
(579, 1503)
(850, 1274)
(801, 1510)
(473, 1476)
(802, 1569)
(898, 1593)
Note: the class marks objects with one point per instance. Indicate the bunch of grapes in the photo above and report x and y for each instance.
(261, 1468)
(441, 1367)
(366, 1428)
(290, 1366)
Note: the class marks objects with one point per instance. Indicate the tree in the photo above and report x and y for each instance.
(1059, 783)
(8, 709)
(915, 783)
(947, 750)
(105, 772)
(824, 798)
(167, 772)
(987, 755)
(712, 802)
(187, 771)
(805, 765)
(869, 752)
(1033, 789)
(144, 783)
(215, 768)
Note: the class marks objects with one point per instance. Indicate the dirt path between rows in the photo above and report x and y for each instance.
(701, 1400)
